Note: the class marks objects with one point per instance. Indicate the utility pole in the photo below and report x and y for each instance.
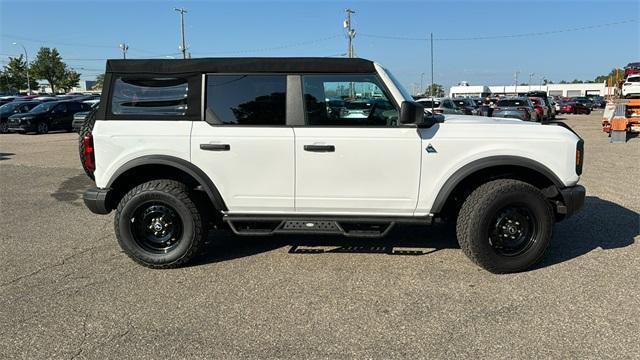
(182, 47)
(421, 81)
(124, 47)
(351, 33)
(26, 58)
(515, 77)
(432, 84)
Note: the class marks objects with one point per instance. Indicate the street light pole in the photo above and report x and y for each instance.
(515, 77)
(421, 80)
(182, 47)
(26, 57)
(530, 80)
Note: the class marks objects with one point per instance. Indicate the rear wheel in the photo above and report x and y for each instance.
(4, 128)
(158, 225)
(505, 226)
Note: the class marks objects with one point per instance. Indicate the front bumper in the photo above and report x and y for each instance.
(97, 200)
(21, 127)
(573, 200)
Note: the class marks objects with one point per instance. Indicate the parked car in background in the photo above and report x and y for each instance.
(598, 101)
(12, 108)
(585, 101)
(516, 108)
(632, 69)
(440, 106)
(52, 115)
(541, 108)
(631, 86)
(80, 117)
(574, 107)
(6, 99)
(466, 105)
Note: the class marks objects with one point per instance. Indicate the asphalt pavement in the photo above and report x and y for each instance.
(67, 290)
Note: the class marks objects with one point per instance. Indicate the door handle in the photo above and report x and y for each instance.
(320, 148)
(215, 147)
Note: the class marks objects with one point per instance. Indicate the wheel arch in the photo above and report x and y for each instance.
(471, 175)
(150, 167)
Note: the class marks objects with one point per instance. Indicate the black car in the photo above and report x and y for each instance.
(80, 117)
(468, 106)
(53, 115)
(12, 108)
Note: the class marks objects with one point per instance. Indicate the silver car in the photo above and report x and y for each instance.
(440, 106)
(515, 108)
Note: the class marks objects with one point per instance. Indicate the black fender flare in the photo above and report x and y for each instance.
(484, 163)
(205, 182)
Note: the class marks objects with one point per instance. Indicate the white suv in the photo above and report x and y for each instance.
(256, 145)
(631, 86)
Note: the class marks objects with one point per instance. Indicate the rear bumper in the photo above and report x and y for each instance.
(97, 200)
(573, 200)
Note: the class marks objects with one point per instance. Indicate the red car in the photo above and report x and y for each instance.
(542, 111)
(631, 68)
(573, 107)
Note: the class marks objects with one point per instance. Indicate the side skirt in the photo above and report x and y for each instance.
(354, 226)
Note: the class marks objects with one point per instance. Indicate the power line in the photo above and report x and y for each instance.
(493, 37)
(279, 47)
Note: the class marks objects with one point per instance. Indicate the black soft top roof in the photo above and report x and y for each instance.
(242, 65)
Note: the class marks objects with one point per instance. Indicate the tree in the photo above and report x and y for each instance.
(14, 75)
(99, 82)
(576, 81)
(48, 65)
(438, 90)
(613, 73)
(69, 80)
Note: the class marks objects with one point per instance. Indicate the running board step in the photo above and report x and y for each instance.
(348, 226)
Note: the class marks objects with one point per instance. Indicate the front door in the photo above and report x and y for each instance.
(244, 145)
(351, 157)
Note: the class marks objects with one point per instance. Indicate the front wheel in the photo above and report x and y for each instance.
(158, 225)
(505, 226)
(43, 128)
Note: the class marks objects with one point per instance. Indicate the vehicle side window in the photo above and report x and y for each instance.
(24, 109)
(246, 100)
(60, 108)
(447, 104)
(347, 100)
(149, 96)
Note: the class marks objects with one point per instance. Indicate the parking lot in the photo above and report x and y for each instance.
(67, 291)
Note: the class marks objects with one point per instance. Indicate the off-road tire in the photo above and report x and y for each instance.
(86, 129)
(176, 195)
(478, 213)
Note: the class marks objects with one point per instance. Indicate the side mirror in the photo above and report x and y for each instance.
(411, 113)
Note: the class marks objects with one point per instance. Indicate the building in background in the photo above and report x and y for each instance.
(564, 90)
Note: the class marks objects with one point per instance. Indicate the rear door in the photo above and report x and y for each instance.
(244, 144)
(354, 165)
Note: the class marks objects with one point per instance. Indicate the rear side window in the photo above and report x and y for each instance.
(246, 100)
(149, 96)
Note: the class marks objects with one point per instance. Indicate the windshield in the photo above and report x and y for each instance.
(8, 107)
(403, 91)
(43, 107)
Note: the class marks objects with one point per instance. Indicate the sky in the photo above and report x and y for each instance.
(481, 42)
